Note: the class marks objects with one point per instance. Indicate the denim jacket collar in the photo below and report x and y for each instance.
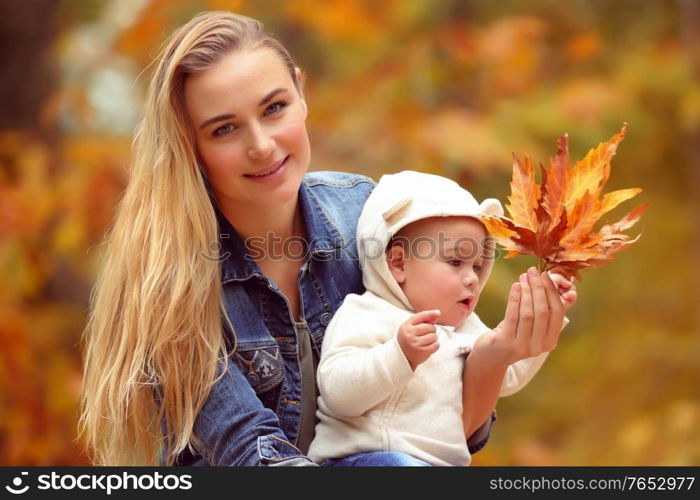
(323, 236)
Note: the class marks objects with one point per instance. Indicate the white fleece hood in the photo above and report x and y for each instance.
(396, 201)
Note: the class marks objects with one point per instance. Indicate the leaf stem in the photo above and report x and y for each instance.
(543, 266)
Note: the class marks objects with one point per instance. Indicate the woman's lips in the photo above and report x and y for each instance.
(270, 170)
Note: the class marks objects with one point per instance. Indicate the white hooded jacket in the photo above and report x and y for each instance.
(370, 399)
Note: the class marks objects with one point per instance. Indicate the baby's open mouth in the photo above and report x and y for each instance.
(468, 302)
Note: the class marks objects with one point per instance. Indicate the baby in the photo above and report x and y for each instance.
(391, 371)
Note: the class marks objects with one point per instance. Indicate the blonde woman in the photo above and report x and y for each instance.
(224, 266)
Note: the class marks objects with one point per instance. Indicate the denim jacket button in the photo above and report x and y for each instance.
(253, 378)
(326, 318)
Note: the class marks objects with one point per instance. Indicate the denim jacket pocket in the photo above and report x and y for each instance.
(274, 451)
(263, 367)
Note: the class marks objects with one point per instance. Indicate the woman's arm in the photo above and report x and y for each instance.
(531, 327)
(480, 392)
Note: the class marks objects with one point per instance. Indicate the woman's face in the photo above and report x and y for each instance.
(249, 123)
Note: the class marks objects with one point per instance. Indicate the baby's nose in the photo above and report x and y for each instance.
(470, 278)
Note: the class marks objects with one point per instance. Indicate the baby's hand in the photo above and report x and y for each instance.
(566, 289)
(418, 338)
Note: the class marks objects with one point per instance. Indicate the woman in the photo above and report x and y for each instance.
(225, 263)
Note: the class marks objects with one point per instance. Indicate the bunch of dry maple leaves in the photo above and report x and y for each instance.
(554, 220)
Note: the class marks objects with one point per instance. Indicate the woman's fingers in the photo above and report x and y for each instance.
(510, 321)
(540, 310)
(525, 317)
(556, 311)
(552, 293)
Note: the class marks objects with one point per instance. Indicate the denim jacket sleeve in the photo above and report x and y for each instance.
(234, 428)
(480, 437)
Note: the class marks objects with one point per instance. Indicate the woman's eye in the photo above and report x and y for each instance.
(223, 130)
(275, 107)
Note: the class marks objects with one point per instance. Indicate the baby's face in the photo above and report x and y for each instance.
(446, 263)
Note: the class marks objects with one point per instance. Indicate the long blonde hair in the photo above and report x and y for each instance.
(154, 337)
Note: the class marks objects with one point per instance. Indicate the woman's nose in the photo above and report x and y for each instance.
(261, 143)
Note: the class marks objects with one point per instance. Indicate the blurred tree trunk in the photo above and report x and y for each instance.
(27, 32)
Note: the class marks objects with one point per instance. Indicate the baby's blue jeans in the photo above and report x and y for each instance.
(377, 459)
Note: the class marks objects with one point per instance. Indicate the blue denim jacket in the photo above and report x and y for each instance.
(252, 414)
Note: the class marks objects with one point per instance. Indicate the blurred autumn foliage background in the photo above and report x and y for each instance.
(450, 87)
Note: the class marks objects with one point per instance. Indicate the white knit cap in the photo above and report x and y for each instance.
(398, 200)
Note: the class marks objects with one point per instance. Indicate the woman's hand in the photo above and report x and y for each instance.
(532, 323)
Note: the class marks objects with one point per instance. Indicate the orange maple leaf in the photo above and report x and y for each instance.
(555, 220)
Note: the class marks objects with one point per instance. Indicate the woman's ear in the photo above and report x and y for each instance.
(395, 259)
(300, 83)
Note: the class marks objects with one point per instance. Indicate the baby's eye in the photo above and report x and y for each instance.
(223, 130)
(275, 107)
(477, 268)
(454, 262)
